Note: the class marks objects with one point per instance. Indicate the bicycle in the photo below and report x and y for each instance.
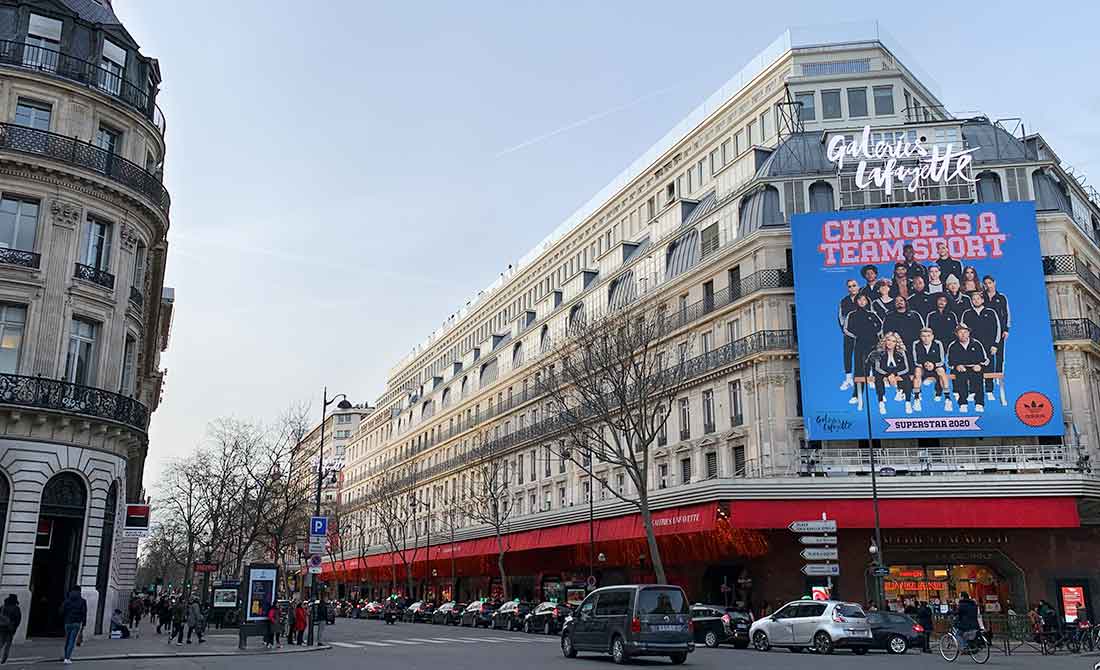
(977, 648)
(1053, 641)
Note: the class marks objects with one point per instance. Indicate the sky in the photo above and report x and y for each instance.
(344, 175)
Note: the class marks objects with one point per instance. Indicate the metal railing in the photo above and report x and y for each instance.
(94, 275)
(82, 154)
(942, 460)
(1075, 329)
(61, 64)
(1063, 265)
(27, 259)
(56, 395)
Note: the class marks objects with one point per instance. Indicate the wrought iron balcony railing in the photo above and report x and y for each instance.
(61, 64)
(60, 396)
(94, 275)
(82, 154)
(1075, 329)
(27, 259)
(1070, 265)
(137, 297)
(942, 460)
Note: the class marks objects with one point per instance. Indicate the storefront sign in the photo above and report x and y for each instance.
(915, 586)
(946, 540)
(225, 597)
(261, 590)
(869, 283)
(1072, 598)
(137, 521)
(894, 161)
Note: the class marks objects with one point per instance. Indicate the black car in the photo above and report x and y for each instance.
(715, 625)
(478, 614)
(510, 615)
(448, 614)
(419, 612)
(546, 618)
(894, 632)
(628, 621)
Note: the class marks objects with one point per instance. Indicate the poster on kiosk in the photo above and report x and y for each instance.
(924, 322)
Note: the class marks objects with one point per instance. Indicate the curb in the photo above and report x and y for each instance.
(184, 654)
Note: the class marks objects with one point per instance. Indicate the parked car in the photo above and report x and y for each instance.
(821, 625)
(448, 614)
(715, 625)
(478, 614)
(894, 632)
(418, 612)
(510, 615)
(546, 618)
(629, 621)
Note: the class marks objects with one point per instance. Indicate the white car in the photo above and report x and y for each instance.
(821, 625)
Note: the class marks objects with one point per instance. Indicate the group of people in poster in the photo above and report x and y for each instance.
(940, 324)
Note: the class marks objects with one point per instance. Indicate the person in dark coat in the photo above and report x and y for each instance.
(10, 618)
(968, 360)
(985, 327)
(904, 322)
(74, 615)
(957, 301)
(164, 614)
(919, 300)
(892, 368)
(966, 619)
(847, 306)
(942, 320)
(924, 618)
(864, 327)
(949, 267)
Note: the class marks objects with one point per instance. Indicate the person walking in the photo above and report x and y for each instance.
(194, 621)
(320, 617)
(10, 618)
(164, 615)
(273, 626)
(179, 617)
(74, 616)
(924, 618)
(136, 611)
(300, 619)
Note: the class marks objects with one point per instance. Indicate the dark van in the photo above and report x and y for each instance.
(629, 621)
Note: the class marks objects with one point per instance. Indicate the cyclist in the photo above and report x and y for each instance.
(966, 620)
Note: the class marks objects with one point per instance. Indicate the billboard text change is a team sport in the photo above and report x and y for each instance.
(932, 320)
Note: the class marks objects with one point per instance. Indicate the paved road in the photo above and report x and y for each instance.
(375, 645)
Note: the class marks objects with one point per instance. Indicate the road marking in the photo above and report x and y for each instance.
(505, 639)
(420, 639)
(373, 644)
(401, 642)
(344, 645)
(456, 639)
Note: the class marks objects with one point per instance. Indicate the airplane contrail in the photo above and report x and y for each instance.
(586, 120)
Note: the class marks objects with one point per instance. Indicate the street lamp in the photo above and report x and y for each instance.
(876, 546)
(325, 402)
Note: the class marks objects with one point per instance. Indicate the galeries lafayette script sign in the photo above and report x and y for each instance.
(894, 161)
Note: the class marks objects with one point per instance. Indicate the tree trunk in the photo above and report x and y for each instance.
(500, 566)
(651, 540)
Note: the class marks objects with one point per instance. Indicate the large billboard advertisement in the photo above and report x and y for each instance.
(924, 322)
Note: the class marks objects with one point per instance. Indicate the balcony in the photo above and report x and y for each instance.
(1075, 329)
(36, 142)
(60, 64)
(1066, 265)
(54, 395)
(137, 298)
(26, 259)
(95, 276)
(996, 459)
(757, 281)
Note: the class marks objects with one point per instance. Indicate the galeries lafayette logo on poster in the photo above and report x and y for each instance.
(933, 166)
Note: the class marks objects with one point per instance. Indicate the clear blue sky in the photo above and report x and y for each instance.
(337, 175)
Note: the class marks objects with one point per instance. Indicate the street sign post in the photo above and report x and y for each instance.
(818, 526)
(316, 544)
(315, 564)
(881, 572)
(821, 570)
(820, 554)
(817, 539)
(318, 525)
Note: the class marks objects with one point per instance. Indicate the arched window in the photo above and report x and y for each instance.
(427, 409)
(5, 494)
(759, 209)
(462, 390)
(446, 398)
(488, 373)
(517, 355)
(1050, 192)
(989, 187)
(576, 316)
(544, 339)
(821, 197)
(106, 546)
(56, 569)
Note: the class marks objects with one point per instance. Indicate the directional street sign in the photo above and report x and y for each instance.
(818, 526)
(882, 572)
(318, 525)
(817, 539)
(316, 544)
(821, 570)
(820, 554)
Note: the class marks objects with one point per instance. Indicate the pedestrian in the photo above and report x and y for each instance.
(194, 621)
(74, 616)
(273, 626)
(320, 617)
(300, 619)
(924, 618)
(179, 617)
(164, 614)
(137, 608)
(10, 618)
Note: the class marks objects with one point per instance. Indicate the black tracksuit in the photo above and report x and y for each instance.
(864, 327)
(985, 327)
(935, 354)
(906, 324)
(915, 269)
(898, 364)
(999, 304)
(942, 324)
(869, 291)
(949, 266)
(882, 309)
(895, 286)
(921, 303)
(968, 382)
(847, 306)
(958, 302)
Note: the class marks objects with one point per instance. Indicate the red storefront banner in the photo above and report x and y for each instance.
(1041, 512)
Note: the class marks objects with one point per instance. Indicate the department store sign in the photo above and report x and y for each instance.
(898, 161)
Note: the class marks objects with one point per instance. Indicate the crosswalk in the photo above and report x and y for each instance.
(419, 641)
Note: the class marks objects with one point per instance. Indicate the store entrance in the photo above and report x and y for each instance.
(56, 552)
(941, 584)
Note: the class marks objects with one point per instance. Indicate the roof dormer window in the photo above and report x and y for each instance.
(43, 43)
(111, 66)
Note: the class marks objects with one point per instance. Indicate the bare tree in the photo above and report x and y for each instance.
(283, 516)
(489, 503)
(397, 510)
(179, 502)
(612, 390)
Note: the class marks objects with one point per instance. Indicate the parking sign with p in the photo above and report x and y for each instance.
(318, 525)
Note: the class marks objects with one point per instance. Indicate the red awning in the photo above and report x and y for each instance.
(1043, 512)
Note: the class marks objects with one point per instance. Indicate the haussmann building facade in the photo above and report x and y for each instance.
(84, 315)
(701, 223)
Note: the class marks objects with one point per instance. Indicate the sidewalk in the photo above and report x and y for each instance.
(150, 645)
